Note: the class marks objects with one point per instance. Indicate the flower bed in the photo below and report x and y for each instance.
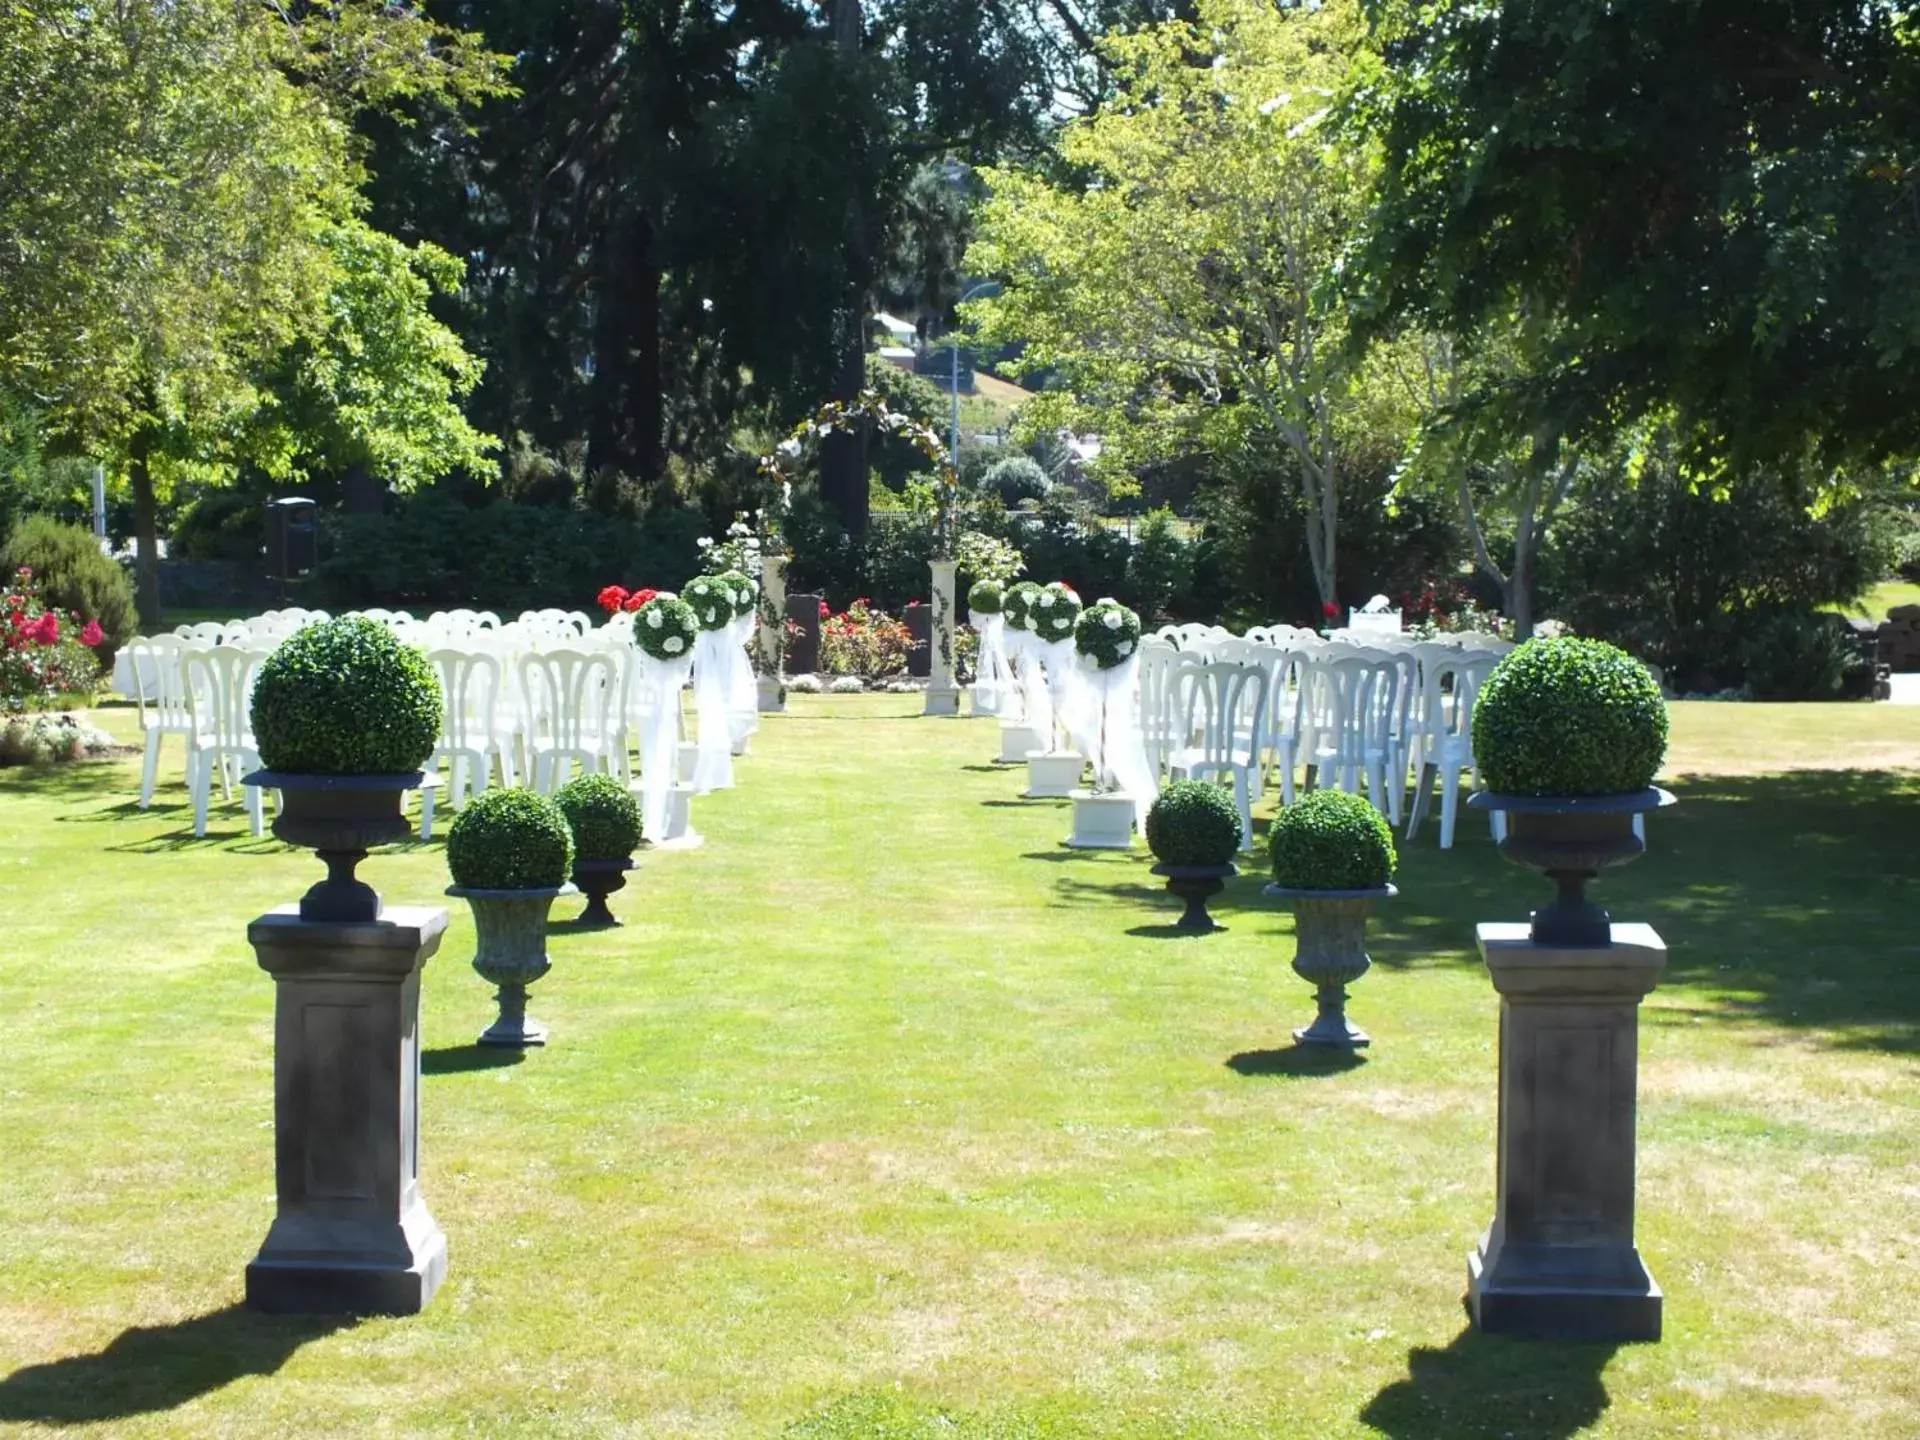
(45, 652)
(863, 641)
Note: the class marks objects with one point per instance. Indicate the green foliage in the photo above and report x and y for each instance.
(1054, 613)
(1193, 822)
(1161, 562)
(603, 816)
(510, 840)
(986, 597)
(344, 697)
(988, 557)
(666, 627)
(710, 600)
(74, 575)
(432, 552)
(1804, 655)
(1569, 717)
(1330, 840)
(742, 590)
(219, 525)
(1107, 633)
(1016, 480)
(1019, 604)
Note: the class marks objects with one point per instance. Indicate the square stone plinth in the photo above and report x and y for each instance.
(1559, 1260)
(352, 1233)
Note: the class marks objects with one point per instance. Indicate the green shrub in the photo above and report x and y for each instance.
(1194, 822)
(1107, 633)
(987, 598)
(1018, 604)
(1569, 717)
(603, 816)
(1016, 480)
(346, 698)
(219, 525)
(1332, 841)
(510, 840)
(1801, 655)
(73, 575)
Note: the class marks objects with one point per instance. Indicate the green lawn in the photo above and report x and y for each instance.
(1883, 597)
(883, 1108)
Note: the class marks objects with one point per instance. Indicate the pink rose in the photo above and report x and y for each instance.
(92, 635)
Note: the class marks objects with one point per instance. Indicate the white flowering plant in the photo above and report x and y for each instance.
(1107, 633)
(988, 558)
(1056, 610)
(712, 601)
(738, 551)
(665, 628)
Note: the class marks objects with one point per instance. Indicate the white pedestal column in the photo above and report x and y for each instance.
(943, 696)
(768, 638)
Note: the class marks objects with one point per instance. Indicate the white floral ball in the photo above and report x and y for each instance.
(1112, 620)
(674, 643)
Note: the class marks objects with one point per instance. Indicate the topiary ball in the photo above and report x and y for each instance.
(1569, 717)
(1019, 603)
(1107, 633)
(711, 600)
(1332, 841)
(665, 628)
(603, 816)
(345, 697)
(510, 840)
(741, 590)
(1194, 822)
(1055, 613)
(987, 598)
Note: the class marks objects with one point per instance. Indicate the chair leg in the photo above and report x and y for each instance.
(1499, 824)
(1449, 804)
(1640, 828)
(1417, 811)
(256, 811)
(150, 769)
(200, 785)
(1242, 785)
(426, 802)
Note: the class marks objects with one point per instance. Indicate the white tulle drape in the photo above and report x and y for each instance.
(1119, 750)
(661, 682)
(1035, 703)
(1073, 709)
(743, 697)
(994, 691)
(713, 767)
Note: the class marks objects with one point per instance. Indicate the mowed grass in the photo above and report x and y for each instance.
(885, 1116)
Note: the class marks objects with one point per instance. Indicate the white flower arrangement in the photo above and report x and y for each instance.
(1108, 633)
(665, 627)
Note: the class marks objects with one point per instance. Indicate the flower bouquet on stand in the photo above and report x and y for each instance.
(1100, 713)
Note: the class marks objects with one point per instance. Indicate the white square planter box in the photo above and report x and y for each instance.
(1101, 822)
(680, 832)
(1017, 741)
(687, 762)
(1053, 774)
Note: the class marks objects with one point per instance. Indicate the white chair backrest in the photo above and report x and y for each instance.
(1222, 708)
(470, 690)
(1157, 698)
(159, 686)
(214, 632)
(220, 681)
(570, 696)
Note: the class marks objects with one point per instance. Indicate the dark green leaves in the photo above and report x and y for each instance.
(603, 815)
(346, 698)
(510, 840)
(1332, 841)
(1569, 717)
(1194, 822)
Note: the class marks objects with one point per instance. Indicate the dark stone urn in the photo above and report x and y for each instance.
(1195, 885)
(597, 879)
(511, 930)
(1570, 840)
(1330, 931)
(341, 817)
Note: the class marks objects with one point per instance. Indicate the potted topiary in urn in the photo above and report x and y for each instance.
(344, 717)
(1333, 857)
(509, 852)
(605, 821)
(1193, 830)
(1568, 735)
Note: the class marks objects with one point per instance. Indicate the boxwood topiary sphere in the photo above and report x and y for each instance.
(1193, 823)
(344, 697)
(510, 840)
(1332, 841)
(987, 597)
(603, 816)
(1018, 606)
(1569, 717)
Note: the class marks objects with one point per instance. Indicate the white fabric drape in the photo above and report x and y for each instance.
(994, 691)
(1119, 750)
(743, 696)
(1036, 704)
(660, 684)
(713, 768)
(1073, 710)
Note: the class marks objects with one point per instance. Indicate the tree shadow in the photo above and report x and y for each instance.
(233, 842)
(464, 1059)
(67, 778)
(150, 1369)
(1491, 1386)
(1296, 1061)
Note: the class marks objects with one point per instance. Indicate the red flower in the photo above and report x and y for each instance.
(1330, 610)
(638, 599)
(92, 635)
(46, 630)
(612, 598)
(825, 610)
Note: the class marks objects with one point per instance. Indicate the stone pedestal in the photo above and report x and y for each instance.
(680, 832)
(1559, 1259)
(769, 648)
(352, 1234)
(1017, 741)
(943, 695)
(1053, 775)
(1101, 821)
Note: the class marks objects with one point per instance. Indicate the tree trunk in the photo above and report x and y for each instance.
(146, 525)
(1517, 590)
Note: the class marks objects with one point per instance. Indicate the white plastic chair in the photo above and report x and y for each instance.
(160, 693)
(1158, 699)
(1222, 709)
(570, 697)
(469, 736)
(219, 680)
(1446, 748)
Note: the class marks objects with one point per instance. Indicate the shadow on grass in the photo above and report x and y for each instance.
(464, 1059)
(233, 842)
(68, 779)
(1023, 803)
(1296, 1061)
(147, 1370)
(575, 925)
(1174, 932)
(1488, 1385)
(1007, 769)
